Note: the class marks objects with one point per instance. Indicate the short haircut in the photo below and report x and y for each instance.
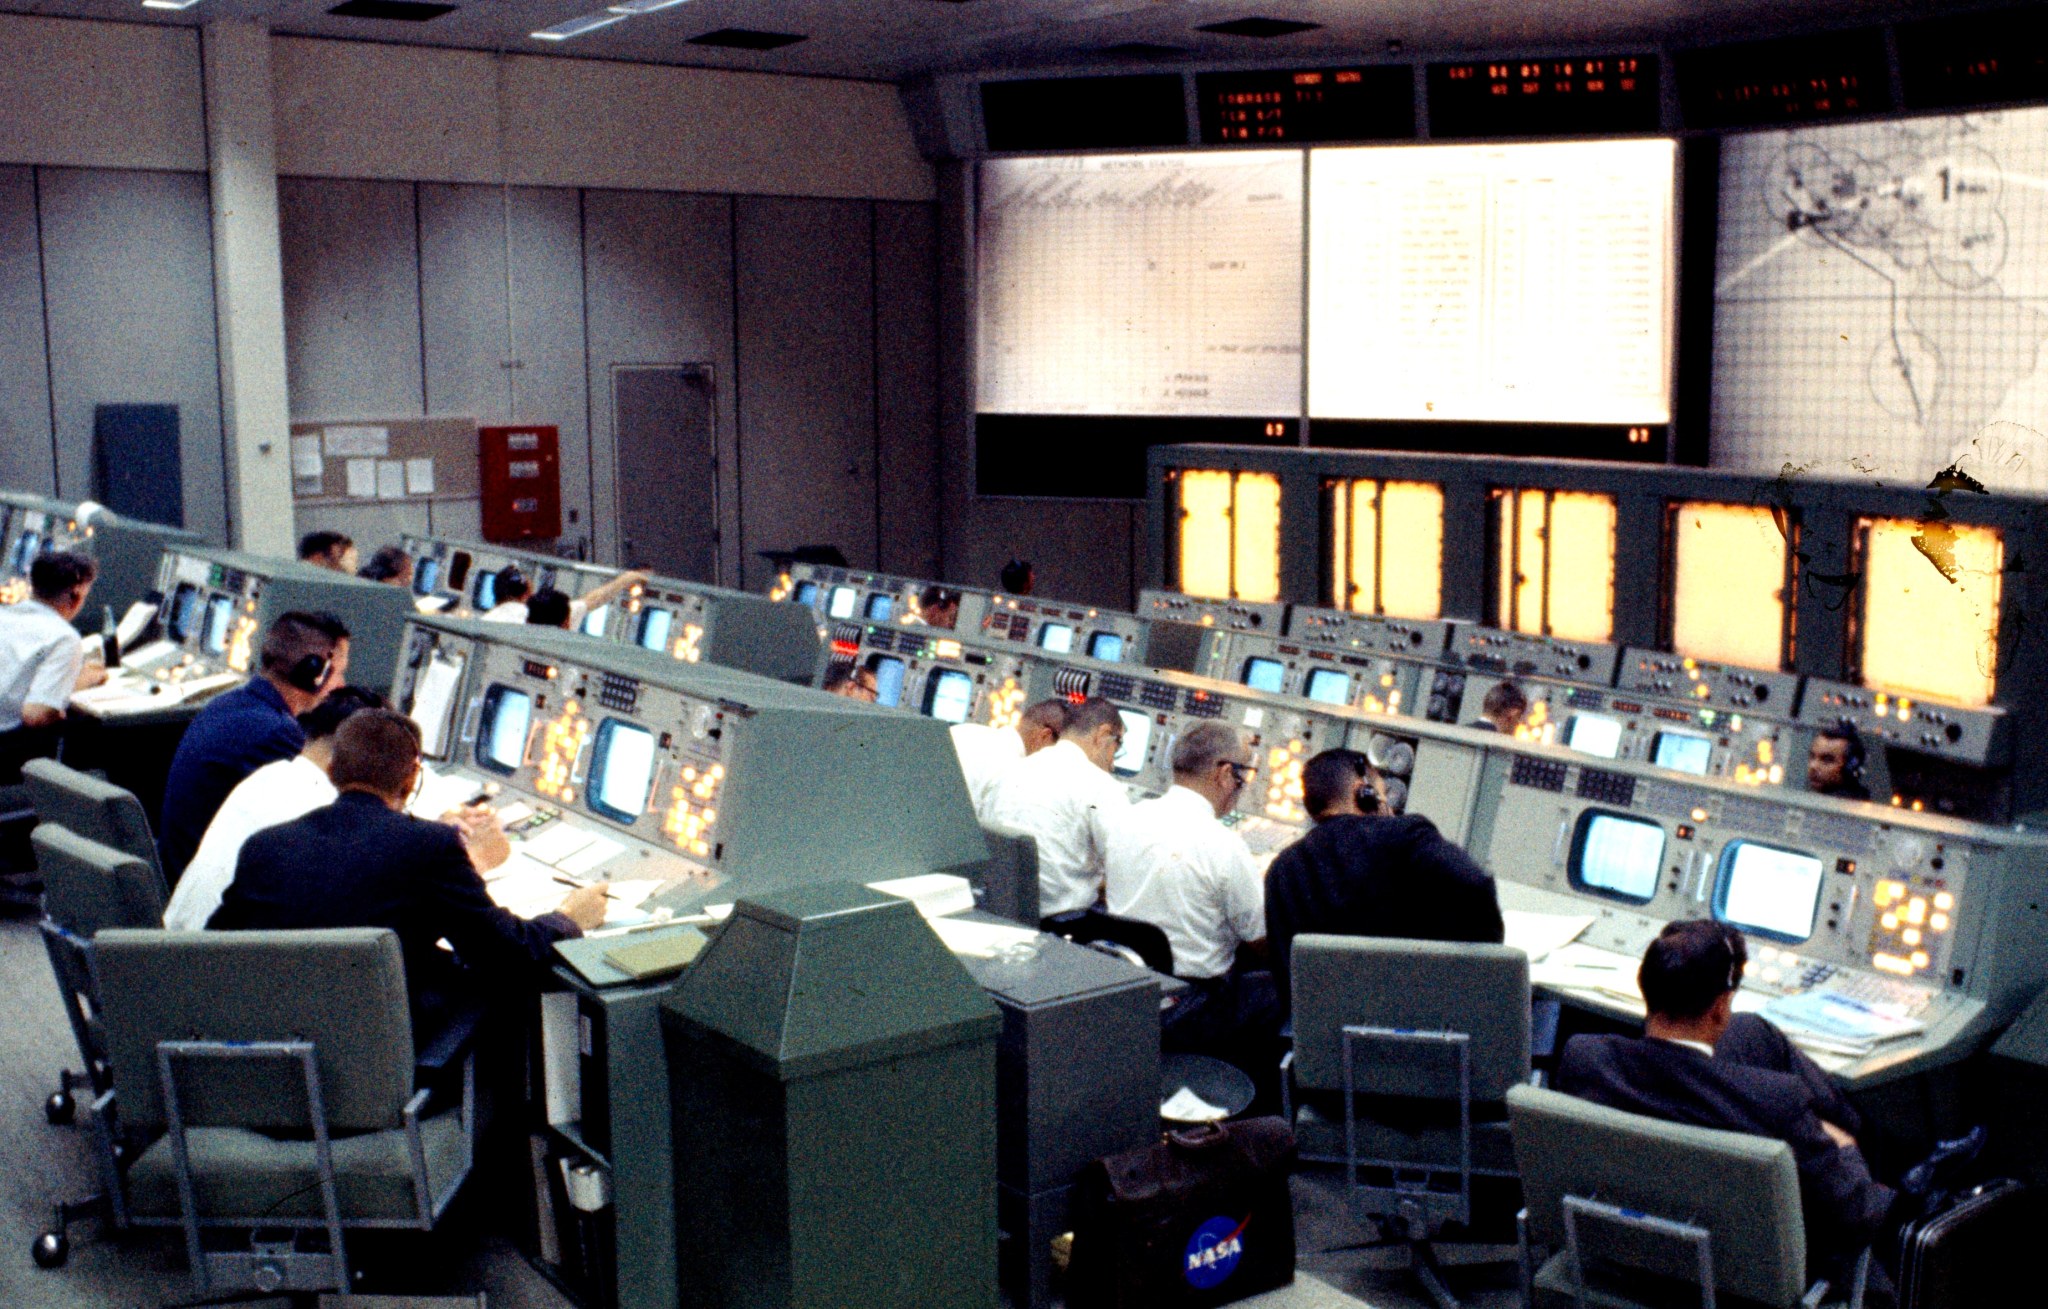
(1505, 698)
(1330, 776)
(54, 574)
(512, 584)
(1017, 577)
(937, 597)
(387, 565)
(1084, 716)
(1690, 965)
(838, 675)
(1844, 731)
(375, 750)
(548, 607)
(1203, 746)
(1051, 714)
(341, 704)
(297, 634)
(323, 542)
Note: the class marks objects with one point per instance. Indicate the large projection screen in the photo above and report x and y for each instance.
(1132, 285)
(1508, 283)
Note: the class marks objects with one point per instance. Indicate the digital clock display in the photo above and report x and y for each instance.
(1307, 105)
(1840, 75)
(1544, 97)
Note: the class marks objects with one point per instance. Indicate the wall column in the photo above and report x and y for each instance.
(241, 150)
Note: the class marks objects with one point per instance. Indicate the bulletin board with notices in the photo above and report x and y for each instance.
(397, 459)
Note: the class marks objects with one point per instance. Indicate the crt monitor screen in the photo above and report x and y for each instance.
(220, 616)
(1767, 890)
(1107, 646)
(655, 625)
(840, 603)
(593, 622)
(1130, 756)
(949, 695)
(501, 733)
(888, 672)
(1056, 637)
(484, 596)
(184, 621)
(26, 547)
(426, 575)
(1618, 856)
(1683, 751)
(806, 594)
(1264, 674)
(1594, 734)
(880, 606)
(1329, 686)
(621, 766)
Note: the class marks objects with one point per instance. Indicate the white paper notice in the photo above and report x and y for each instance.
(390, 479)
(419, 477)
(362, 478)
(306, 456)
(358, 442)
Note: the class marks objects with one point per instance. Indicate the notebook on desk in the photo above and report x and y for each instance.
(592, 957)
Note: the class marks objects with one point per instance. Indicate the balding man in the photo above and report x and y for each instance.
(987, 754)
(1066, 797)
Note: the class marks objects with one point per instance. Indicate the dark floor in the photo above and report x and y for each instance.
(40, 1164)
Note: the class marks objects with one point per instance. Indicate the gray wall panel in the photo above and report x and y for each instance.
(551, 383)
(806, 382)
(370, 524)
(906, 387)
(129, 329)
(658, 272)
(351, 298)
(462, 301)
(28, 461)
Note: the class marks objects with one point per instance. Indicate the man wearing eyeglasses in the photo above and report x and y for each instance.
(1067, 797)
(1173, 863)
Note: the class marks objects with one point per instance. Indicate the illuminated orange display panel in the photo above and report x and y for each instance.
(1929, 624)
(1387, 548)
(1728, 584)
(1229, 538)
(1554, 563)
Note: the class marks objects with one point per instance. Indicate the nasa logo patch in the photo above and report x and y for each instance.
(1214, 1251)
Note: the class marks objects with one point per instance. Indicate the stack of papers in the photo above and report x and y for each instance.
(1579, 967)
(978, 940)
(1184, 1106)
(935, 894)
(440, 792)
(1839, 1024)
(1537, 935)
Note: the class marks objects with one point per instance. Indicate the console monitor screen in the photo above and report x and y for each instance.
(484, 596)
(26, 546)
(949, 695)
(426, 575)
(1594, 734)
(1264, 674)
(434, 701)
(1329, 686)
(621, 766)
(880, 606)
(1767, 891)
(841, 602)
(502, 730)
(655, 625)
(1683, 751)
(1130, 756)
(1617, 856)
(806, 594)
(220, 616)
(458, 569)
(1106, 646)
(888, 672)
(184, 621)
(593, 622)
(1056, 637)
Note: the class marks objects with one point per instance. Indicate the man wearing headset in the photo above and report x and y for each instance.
(304, 656)
(1834, 763)
(1365, 871)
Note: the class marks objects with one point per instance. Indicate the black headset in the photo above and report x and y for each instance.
(1367, 799)
(308, 673)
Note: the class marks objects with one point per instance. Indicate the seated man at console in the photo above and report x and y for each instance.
(1173, 864)
(1503, 709)
(330, 550)
(937, 606)
(1834, 763)
(988, 753)
(1066, 797)
(304, 656)
(390, 565)
(1365, 871)
(516, 597)
(363, 862)
(851, 682)
(41, 659)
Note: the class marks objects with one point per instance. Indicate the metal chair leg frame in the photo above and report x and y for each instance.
(1699, 1238)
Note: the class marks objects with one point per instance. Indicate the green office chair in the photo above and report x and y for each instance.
(1403, 1054)
(1647, 1214)
(264, 1082)
(94, 808)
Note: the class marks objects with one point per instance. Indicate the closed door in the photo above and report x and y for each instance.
(668, 469)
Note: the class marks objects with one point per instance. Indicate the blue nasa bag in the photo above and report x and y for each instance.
(1203, 1218)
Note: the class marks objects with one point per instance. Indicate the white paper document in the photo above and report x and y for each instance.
(306, 461)
(1536, 935)
(362, 478)
(978, 940)
(934, 894)
(419, 477)
(440, 792)
(556, 842)
(585, 861)
(390, 479)
(431, 701)
(1184, 1106)
(358, 442)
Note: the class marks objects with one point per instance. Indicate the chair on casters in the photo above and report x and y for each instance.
(1645, 1214)
(94, 808)
(1403, 1054)
(265, 1083)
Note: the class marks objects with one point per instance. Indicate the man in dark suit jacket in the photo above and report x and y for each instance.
(362, 862)
(1698, 1062)
(1364, 871)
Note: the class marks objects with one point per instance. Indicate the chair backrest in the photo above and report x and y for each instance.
(1742, 1189)
(95, 809)
(1091, 925)
(88, 887)
(342, 989)
(1010, 883)
(1480, 990)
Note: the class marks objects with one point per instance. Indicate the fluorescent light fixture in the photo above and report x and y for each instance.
(644, 6)
(168, 4)
(578, 26)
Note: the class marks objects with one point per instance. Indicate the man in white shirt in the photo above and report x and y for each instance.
(515, 595)
(41, 658)
(987, 754)
(1066, 797)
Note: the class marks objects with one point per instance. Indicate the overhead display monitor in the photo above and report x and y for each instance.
(1564, 96)
(426, 575)
(484, 596)
(1768, 891)
(888, 672)
(1084, 113)
(1130, 755)
(621, 769)
(1264, 674)
(1329, 686)
(26, 547)
(1271, 105)
(1683, 752)
(1617, 856)
(503, 728)
(594, 620)
(1930, 608)
(1107, 646)
(1729, 582)
(841, 602)
(1877, 300)
(220, 616)
(1758, 83)
(806, 593)
(949, 695)
(880, 606)
(1595, 734)
(655, 626)
(184, 609)
(1528, 283)
(1140, 285)
(1056, 637)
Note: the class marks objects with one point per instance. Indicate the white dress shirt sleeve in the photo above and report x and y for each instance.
(56, 675)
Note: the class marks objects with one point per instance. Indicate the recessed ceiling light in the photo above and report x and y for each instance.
(644, 6)
(578, 26)
(168, 4)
